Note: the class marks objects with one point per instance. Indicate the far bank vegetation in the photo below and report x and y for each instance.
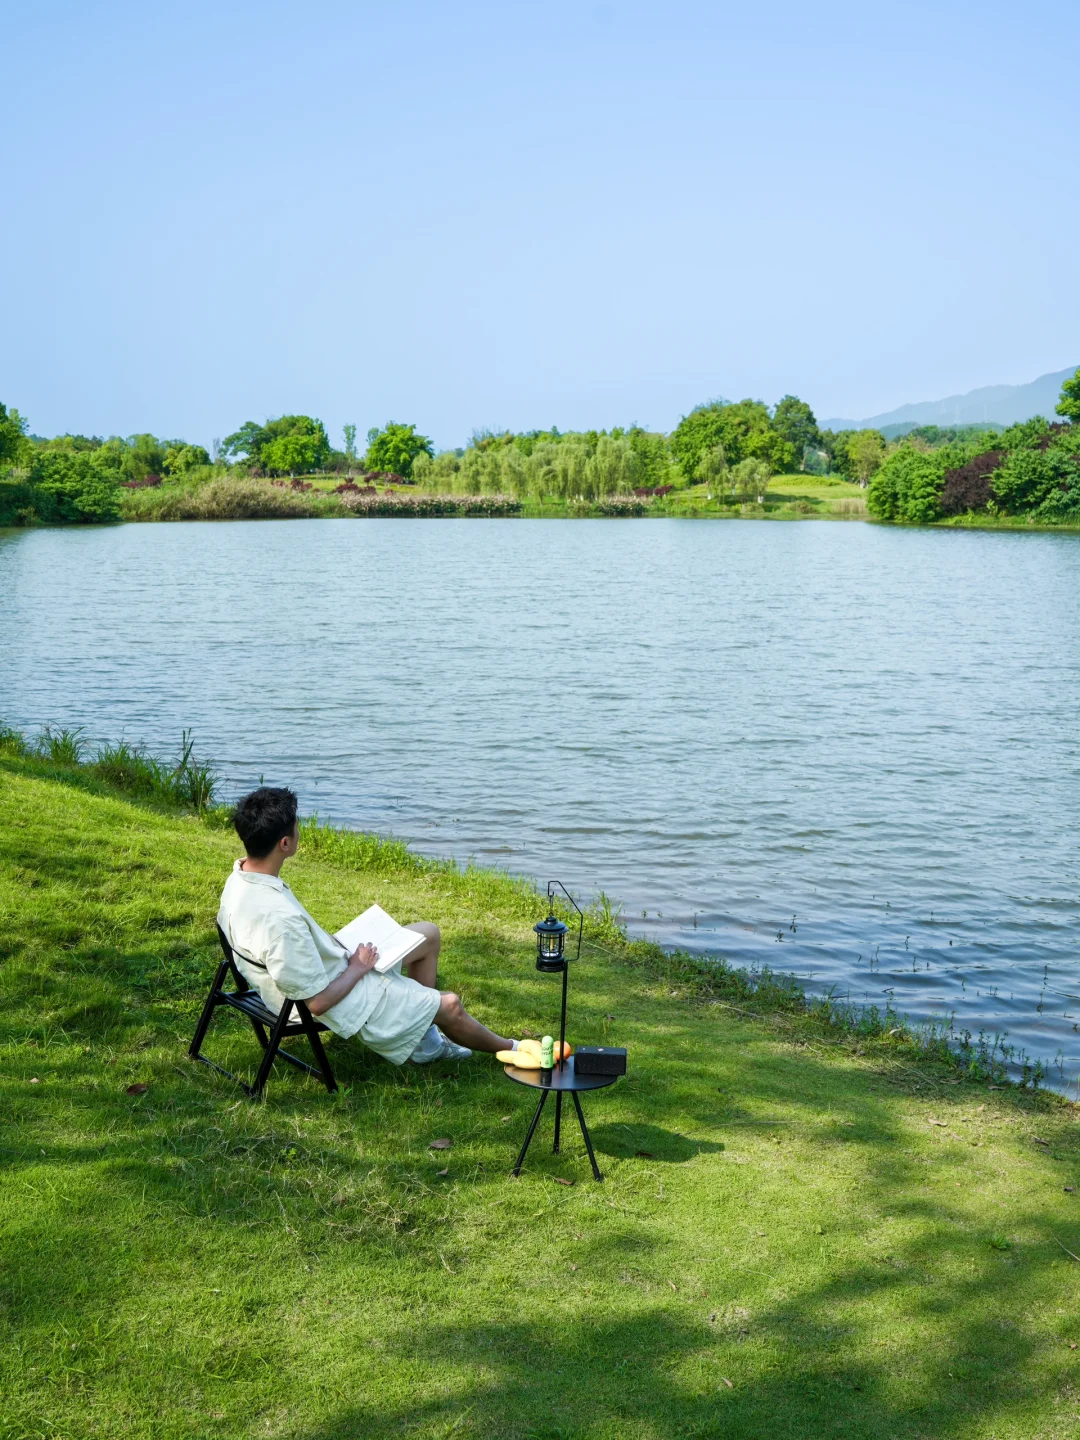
(742, 457)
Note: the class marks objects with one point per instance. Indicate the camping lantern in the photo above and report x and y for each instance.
(561, 1076)
(550, 940)
(550, 956)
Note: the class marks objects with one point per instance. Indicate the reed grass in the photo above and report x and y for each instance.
(186, 782)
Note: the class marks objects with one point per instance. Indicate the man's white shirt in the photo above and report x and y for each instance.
(283, 952)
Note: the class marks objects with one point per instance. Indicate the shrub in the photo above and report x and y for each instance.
(74, 487)
(361, 502)
(622, 505)
(1027, 478)
(908, 487)
(967, 486)
(20, 503)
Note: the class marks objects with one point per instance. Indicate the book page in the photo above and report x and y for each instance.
(376, 927)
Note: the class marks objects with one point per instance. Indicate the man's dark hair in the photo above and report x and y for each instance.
(263, 817)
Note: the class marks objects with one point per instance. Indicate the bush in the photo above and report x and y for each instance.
(20, 504)
(1028, 478)
(622, 505)
(967, 486)
(908, 487)
(74, 487)
(429, 506)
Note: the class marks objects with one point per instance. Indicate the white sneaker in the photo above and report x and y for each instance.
(437, 1047)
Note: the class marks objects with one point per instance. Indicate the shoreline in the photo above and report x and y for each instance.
(286, 505)
(189, 790)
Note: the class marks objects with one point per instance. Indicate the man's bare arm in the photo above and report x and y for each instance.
(361, 962)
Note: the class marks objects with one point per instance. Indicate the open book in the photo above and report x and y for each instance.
(376, 927)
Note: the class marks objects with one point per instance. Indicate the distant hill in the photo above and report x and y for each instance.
(1003, 404)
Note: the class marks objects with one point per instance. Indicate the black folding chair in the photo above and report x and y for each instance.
(270, 1028)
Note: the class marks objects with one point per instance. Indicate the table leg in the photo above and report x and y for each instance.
(532, 1127)
(558, 1120)
(585, 1134)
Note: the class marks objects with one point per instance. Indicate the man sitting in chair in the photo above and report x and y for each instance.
(283, 952)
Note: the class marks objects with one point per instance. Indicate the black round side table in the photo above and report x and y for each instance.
(560, 1080)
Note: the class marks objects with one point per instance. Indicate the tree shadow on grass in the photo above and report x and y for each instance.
(661, 1374)
(649, 1142)
(658, 1370)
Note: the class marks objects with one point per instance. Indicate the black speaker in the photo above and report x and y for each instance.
(600, 1060)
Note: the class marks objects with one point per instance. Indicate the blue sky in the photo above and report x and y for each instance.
(520, 214)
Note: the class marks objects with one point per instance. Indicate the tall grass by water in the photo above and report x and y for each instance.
(185, 782)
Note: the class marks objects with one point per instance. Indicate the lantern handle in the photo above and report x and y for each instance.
(581, 916)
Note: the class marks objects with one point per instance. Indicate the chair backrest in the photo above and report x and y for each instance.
(230, 959)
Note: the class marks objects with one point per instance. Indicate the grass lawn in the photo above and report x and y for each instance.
(799, 1234)
(789, 497)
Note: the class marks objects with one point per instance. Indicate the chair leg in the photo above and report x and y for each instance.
(271, 1049)
(207, 1012)
(260, 1032)
(315, 1041)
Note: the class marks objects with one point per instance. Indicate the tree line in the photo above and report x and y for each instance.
(1030, 470)
(732, 448)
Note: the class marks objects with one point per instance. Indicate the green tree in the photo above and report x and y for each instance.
(349, 432)
(294, 454)
(696, 433)
(395, 448)
(1028, 477)
(245, 443)
(181, 458)
(653, 454)
(714, 471)
(865, 451)
(908, 485)
(743, 429)
(15, 448)
(70, 442)
(76, 486)
(250, 442)
(834, 444)
(794, 421)
(750, 478)
(1069, 404)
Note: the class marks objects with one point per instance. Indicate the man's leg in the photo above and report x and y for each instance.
(423, 964)
(454, 1020)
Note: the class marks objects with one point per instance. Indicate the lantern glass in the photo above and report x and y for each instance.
(550, 939)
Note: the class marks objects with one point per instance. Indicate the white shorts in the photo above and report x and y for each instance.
(400, 1018)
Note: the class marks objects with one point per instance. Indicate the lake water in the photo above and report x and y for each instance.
(846, 752)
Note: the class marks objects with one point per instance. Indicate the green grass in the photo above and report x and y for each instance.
(801, 1233)
(789, 497)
